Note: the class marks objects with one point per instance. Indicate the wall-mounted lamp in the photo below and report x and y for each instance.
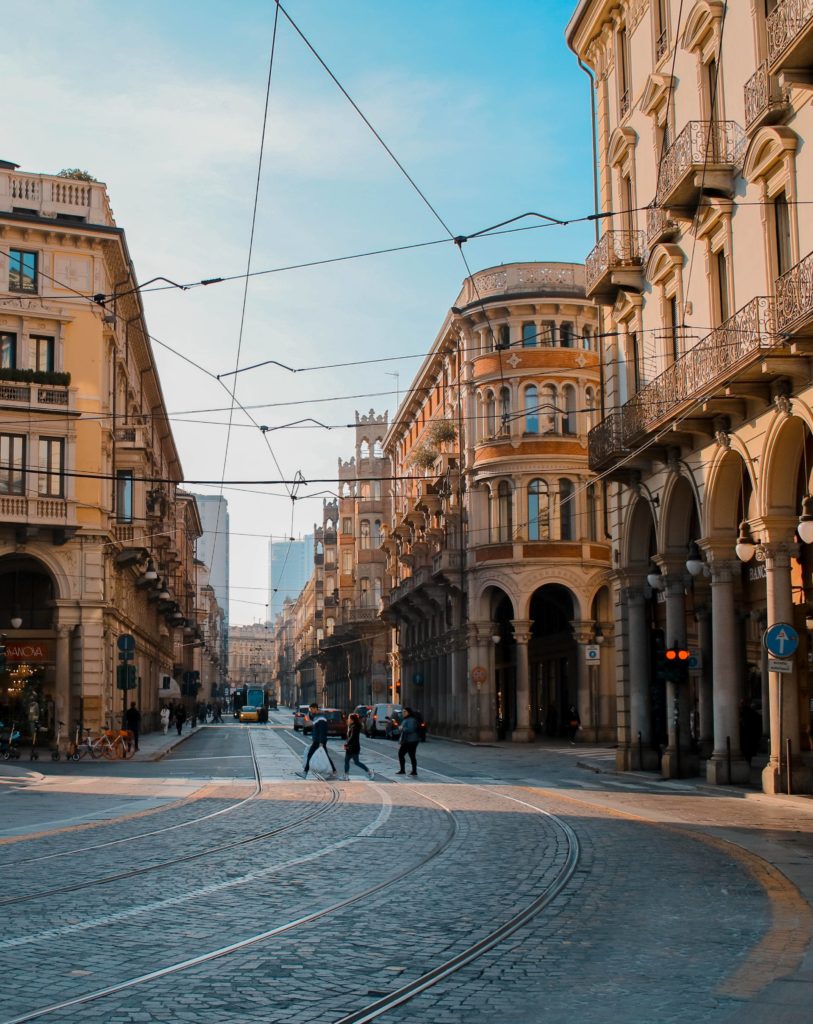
(655, 577)
(746, 545)
(598, 634)
(163, 593)
(150, 573)
(695, 563)
(495, 638)
(805, 527)
(16, 619)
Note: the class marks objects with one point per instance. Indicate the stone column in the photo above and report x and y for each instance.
(639, 704)
(783, 688)
(522, 634)
(583, 633)
(726, 687)
(706, 702)
(481, 696)
(675, 760)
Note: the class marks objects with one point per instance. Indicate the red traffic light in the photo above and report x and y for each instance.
(677, 654)
(683, 654)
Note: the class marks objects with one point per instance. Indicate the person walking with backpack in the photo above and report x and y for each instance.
(410, 738)
(318, 737)
(352, 747)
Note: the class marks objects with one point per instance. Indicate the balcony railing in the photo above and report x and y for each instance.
(49, 196)
(34, 394)
(20, 508)
(355, 614)
(789, 25)
(616, 250)
(660, 227)
(794, 297)
(703, 146)
(763, 97)
(729, 348)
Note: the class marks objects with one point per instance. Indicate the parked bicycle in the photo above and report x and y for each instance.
(112, 743)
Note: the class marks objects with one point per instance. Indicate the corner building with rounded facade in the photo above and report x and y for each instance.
(497, 547)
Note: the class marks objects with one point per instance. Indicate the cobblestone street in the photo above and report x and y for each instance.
(510, 883)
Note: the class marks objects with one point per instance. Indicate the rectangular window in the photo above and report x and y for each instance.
(721, 261)
(12, 464)
(22, 271)
(124, 495)
(782, 225)
(661, 29)
(43, 353)
(528, 335)
(623, 73)
(347, 526)
(365, 592)
(8, 350)
(52, 467)
(674, 328)
(347, 562)
(547, 333)
(566, 334)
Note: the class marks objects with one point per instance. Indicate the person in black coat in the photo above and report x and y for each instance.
(318, 736)
(132, 721)
(352, 747)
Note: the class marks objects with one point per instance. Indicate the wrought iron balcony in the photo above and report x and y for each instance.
(790, 35)
(616, 262)
(794, 298)
(660, 227)
(356, 614)
(703, 157)
(725, 353)
(765, 100)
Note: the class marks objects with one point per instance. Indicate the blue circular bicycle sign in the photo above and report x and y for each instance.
(781, 640)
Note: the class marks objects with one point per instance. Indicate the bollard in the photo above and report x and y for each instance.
(790, 769)
(640, 752)
(728, 757)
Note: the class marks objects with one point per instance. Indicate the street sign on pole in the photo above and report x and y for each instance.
(779, 665)
(126, 643)
(592, 653)
(781, 640)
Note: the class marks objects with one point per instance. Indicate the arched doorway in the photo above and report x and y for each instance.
(552, 655)
(28, 681)
(505, 663)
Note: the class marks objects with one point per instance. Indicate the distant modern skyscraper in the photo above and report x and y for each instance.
(290, 564)
(213, 549)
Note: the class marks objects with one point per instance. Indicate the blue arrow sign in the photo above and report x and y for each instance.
(781, 640)
(126, 643)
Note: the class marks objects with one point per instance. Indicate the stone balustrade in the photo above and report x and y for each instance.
(49, 196)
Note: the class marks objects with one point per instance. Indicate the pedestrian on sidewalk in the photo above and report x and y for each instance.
(165, 719)
(180, 718)
(132, 721)
(410, 738)
(574, 723)
(318, 737)
(352, 747)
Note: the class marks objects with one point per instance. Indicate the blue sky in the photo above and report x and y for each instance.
(482, 103)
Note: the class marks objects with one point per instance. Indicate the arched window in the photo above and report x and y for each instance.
(378, 451)
(505, 517)
(587, 338)
(364, 533)
(490, 513)
(330, 625)
(590, 403)
(549, 409)
(567, 509)
(505, 410)
(365, 491)
(364, 449)
(538, 510)
(479, 425)
(569, 409)
(377, 533)
(592, 512)
(330, 585)
(531, 410)
(376, 593)
(491, 415)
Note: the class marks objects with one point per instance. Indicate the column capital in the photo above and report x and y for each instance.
(522, 630)
(723, 571)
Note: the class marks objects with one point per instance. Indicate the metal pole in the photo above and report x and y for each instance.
(728, 757)
(790, 768)
(640, 752)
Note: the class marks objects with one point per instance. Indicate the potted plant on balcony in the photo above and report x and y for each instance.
(28, 376)
(423, 456)
(75, 174)
(442, 431)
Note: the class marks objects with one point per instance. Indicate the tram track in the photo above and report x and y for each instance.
(402, 994)
(307, 817)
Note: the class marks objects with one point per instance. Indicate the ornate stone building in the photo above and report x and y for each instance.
(96, 538)
(497, 545)
(704, 274)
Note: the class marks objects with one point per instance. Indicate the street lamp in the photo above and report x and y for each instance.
(655, 577)
(746, 545)
(805, 527)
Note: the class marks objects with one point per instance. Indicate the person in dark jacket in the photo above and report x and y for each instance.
(318, 737)
(573, 723)
(180, 718)
(132, 721)
(352, 747)
(410, 738)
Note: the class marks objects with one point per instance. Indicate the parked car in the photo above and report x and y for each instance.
(383, 720)
(300, 717)
(336, 723)
(248, 713)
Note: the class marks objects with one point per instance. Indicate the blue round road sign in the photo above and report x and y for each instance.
(781, 640)
(126, 643)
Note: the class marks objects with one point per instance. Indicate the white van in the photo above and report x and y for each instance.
(380, 722)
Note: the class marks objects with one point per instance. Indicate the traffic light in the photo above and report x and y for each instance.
(677, 659)
(126, 677)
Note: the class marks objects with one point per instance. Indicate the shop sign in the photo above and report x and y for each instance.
(756, 572)
(27, 650)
